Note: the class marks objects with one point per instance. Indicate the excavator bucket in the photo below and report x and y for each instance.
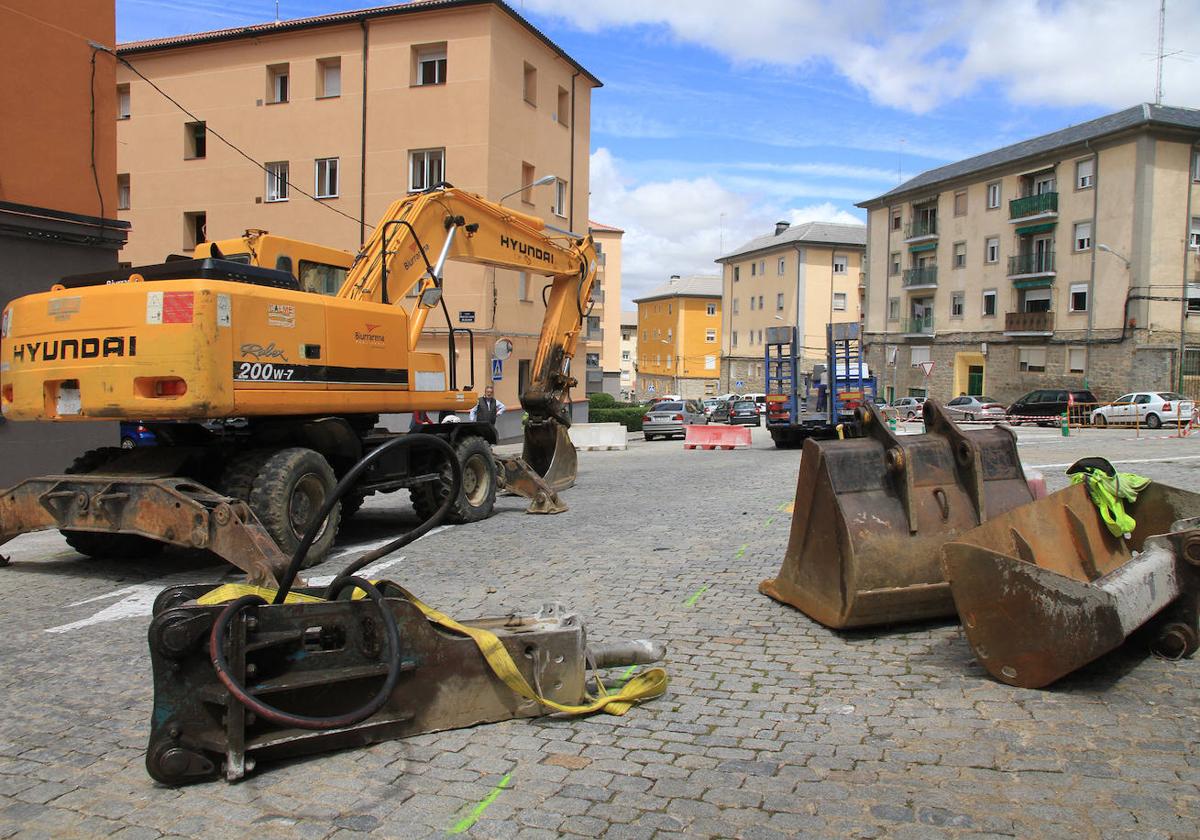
(548, 449)
(1046, 588)
(872, 513)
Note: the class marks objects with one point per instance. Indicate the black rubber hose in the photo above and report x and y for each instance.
(221, 666)
(344, 579)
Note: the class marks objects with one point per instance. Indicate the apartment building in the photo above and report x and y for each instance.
(678, 345)
(58, 186)
(808, 275)
(1067, 260)
(629, 344)
(347, 112)
(604, 320)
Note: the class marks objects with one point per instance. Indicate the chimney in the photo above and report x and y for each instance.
(780, 227)
(674, 279)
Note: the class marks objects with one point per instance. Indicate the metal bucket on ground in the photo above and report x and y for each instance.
(548, 449)
(872, 513)
(1046, 588)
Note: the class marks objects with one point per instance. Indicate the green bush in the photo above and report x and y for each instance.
(630, 418)
(601, 400)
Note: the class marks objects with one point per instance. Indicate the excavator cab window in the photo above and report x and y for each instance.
(322, 278)
(284, 263)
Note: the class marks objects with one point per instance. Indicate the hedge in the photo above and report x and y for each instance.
(630, 418)
(600, 399)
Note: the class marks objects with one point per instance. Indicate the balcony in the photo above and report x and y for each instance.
(596, 334)
(598, 295)
(1041, 206)
(921, 228)
(917, 327)
(921, 278)
(1028, 323)
(1031, 265)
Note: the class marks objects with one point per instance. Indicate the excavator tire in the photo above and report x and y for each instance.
(107, 546)
(478, 495)
(287, 491)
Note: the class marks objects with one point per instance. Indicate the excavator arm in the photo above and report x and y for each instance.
(409, 249)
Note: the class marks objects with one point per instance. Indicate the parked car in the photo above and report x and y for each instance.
(909, 408)
(1147, 408)
(976, 408)
(709, 405)
(669, 418)
(720, 414)
(728, 397)
(760, 401)
(1051, 403)
(134, 434)
(744, 413)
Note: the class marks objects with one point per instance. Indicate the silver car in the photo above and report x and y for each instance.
(909, 408)
(669, 418)
(976, 408)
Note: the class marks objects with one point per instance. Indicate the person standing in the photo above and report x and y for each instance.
(488, 408)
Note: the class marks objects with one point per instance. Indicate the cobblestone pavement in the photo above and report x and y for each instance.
(772, 727)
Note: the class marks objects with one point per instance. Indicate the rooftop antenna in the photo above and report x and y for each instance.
(900, 163)
(1162, 15)
(277, 21)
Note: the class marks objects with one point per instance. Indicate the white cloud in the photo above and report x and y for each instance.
(681, 225)
(913, 55)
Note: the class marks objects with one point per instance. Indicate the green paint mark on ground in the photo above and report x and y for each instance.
(696, 596)
(741, 551)
(771, 520)
(625, 676)
(476, 812)
(784, 506)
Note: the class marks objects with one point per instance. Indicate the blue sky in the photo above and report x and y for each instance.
(718, 118)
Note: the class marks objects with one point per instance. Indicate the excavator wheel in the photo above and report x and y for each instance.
(478, 495)
(288, 490)
(107, 546)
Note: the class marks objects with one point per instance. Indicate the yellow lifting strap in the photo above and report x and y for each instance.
(643, 686)
(1109, 494)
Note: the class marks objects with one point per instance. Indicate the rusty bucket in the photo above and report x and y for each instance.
(872, 514)
(1046, 588)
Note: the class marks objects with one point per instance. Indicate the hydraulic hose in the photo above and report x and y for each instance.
(344, 579)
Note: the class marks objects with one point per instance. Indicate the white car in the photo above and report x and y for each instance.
(1146, 408)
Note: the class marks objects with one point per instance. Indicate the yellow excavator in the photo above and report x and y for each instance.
(264, 385)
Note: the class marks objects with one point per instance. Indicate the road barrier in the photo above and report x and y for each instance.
(715, 437)
(598, 436)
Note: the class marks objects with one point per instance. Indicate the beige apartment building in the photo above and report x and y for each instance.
(1065, 261)
(808, 275)
(604, 320)
(678, 345)
(347, 112)
(629, 344)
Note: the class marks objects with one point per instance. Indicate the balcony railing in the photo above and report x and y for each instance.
(1029, 322)
(921, 227)
(924, 276)
(598, 295)
(596, 334)
(1035, 263)
(1033, 205)
(917, 326)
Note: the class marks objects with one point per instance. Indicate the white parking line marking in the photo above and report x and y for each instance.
(1130, 461)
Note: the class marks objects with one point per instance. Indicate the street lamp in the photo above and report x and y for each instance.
(540, 182)
(1107, 250)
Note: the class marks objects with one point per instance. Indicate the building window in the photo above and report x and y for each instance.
(993, 195)
(710, 362)
(753, 269)
(1076, 356)
(841, 264)
(1194, 233)
(710, 335)
(277, 83)
(917, 355)
(669, 312)
(960, 203)
(762, 267)
(327, 177)
(645, 335)
(194, 140)
(735, 306)
(670, 359)
(894, 268)
(123, 192)
(782, 266)
(895, 220)
(960, 254)
(1085, 171)
(1196, 167)
(564, 107)
(760, 301)
(277, 181)
(737, 273)
(427, 167)
(528, 176)
(195, 228)
(429, 64)
(560, 198)
(893, 309)
(624, 355)
(733, 336)
(1193, 304)
(329, 78)
(1083, 236)
(839, 301)
(779, 302)
(1079, 297)
(710, 309)
(1032, 359)
(529, 86)
(122, 102)
(752, 299)
(991, 250)
(989, 303)
(956, 304)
